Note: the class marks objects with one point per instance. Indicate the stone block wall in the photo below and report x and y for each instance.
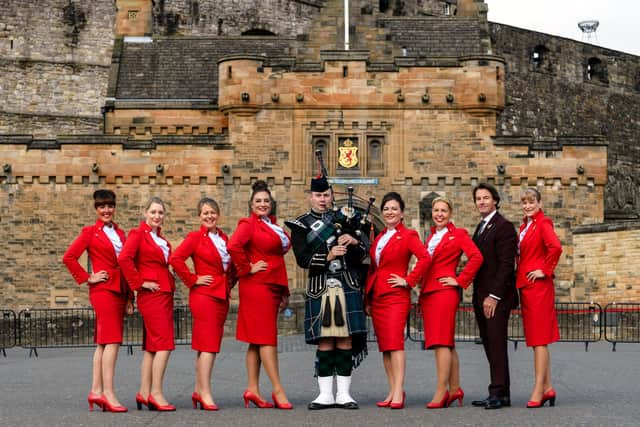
(605, 263)
(54, 61)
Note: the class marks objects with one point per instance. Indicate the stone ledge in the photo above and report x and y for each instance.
(607, 227)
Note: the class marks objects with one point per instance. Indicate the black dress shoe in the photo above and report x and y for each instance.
(348, 405)
(497, 402)
(482, 403)
(314, 406)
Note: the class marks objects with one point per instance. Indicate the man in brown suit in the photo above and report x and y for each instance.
(494, 291)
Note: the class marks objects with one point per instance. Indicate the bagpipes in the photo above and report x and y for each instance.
(346, 219)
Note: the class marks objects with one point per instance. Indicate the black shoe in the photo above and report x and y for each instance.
(498, 402)
(481, 403)
(314, 406)
(348, 405)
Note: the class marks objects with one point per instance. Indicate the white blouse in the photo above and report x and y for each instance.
(221, 246)
(383, 242)
(162, 244)
(111, 233)
(435, 240)
(279, 231)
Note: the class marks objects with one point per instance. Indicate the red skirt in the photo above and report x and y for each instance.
(439, 317)
(157, 315)
(389, 315)
(258, 313)
(109, 308)
(209, 314)
(539, 313)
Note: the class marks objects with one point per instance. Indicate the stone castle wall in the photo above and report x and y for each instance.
(54, 62)
(558, 98)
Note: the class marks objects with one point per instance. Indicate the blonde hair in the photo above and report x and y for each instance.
(152, 200)
(530, 193)
(444, 200)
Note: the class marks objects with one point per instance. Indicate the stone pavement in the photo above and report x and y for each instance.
(595, 388)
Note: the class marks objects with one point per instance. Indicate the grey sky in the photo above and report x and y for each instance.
(619, 19)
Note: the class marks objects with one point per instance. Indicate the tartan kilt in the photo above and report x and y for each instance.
(356, 320)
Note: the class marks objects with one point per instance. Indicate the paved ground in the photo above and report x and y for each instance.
(598, 387)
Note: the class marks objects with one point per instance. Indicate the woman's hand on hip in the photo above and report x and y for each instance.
(397, 281)
(151, 286)
(535, 274)
(258, 266)
(204, 280)
(98, 277)
(448, 281)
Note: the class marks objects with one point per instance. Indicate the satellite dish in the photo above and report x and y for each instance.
(588, 28)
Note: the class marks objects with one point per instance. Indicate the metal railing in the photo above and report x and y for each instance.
(622, 323)
(577, 322)
(8, 330)
(51, 328)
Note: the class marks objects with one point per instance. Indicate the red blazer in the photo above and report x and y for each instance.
(540, 249)
(101, 255)
(142, 260)
(252, 241)
(206, 261)
(446, 257)
(395, 258)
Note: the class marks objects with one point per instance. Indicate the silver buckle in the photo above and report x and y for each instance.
(335, 265)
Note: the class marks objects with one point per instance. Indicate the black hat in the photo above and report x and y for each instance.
(319, 184)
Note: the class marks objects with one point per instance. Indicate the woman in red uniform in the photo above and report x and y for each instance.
(108, 294)
(209, 293)
(257, 250)
(388, 291)
(145, 263)
(440, 297)
(539, 251)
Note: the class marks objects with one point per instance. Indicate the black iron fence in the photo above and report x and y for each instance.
(578, 322)
(8, 330)
(622, 323)
(48, 328)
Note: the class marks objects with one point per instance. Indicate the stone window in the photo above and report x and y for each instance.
(319, 143)
(596, 70)
(375, 146)
(425, 211)
(539, 55)
(258, 32)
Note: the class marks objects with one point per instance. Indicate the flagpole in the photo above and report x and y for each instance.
(346, 24)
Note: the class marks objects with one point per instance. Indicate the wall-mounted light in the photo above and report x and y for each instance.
(502, 169)
(159, 168)
(275, 97)
(482, 97)
(226, 169)
(95, 168)
(580, 169)
(449, 97)
(400, 97)
(6, 168)
(425, 98)
(245, 97)
(300, 97)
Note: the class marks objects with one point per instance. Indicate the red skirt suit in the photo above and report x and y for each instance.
(109, 298)
(439, 302)
(260, 293)
(390, 306)
(209, 304)
(141, 261)
(539, 249)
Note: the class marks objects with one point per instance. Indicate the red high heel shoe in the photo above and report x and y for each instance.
(250, 397)
(154, 406)
(94, 399)
(195, 398)
(383, 404)
(549, 395)
(442, 404)
(141, 401)
(108, 407)
(280, 405)
(458, 395)
(400, 405)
